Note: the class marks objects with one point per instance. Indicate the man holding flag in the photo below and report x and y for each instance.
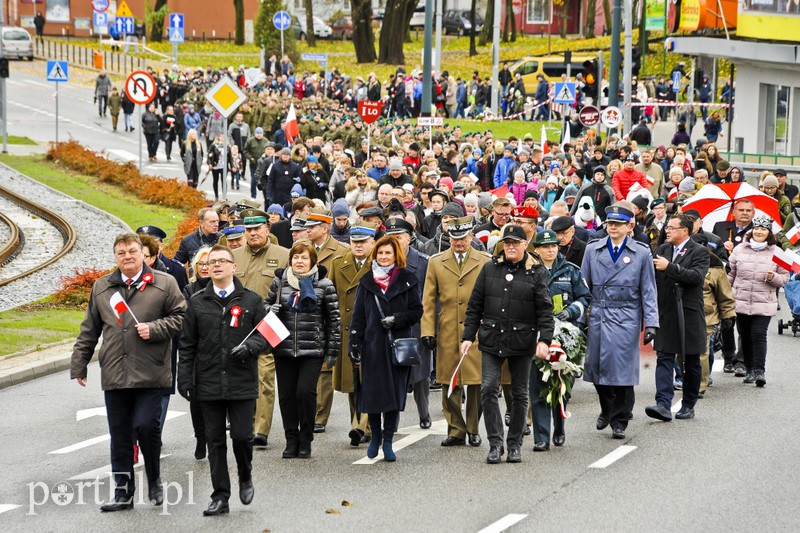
(448, 285)
(138, 311)
(219, 368)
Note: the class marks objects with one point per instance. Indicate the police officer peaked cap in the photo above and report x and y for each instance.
(398, 225)
(153, 231)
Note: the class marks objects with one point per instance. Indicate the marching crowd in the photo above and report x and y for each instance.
(396, 270)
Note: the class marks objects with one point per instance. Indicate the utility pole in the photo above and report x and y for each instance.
(425, 109)
(498, 7)
(613, 71)
(628, 68)
(3, 106)
(437, 61)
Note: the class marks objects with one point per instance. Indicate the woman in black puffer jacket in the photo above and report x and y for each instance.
(306, 302)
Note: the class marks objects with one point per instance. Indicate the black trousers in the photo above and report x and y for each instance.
(152, 143)
(198, 423)
(616, 403)
(297, 394)
(134, 412)
(520, 368)
(753, 332)
(732, 357)
(240, 413)
(216, 174)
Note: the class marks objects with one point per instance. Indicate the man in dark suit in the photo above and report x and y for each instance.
(570, 246)
(681, 266)
(282, 228)
(732, 233)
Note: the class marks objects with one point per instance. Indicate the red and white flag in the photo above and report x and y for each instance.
(292, 129)
(673, 195)
(119, 306)
(544, 141)
(651, 180)
(272, 329)
(793, 234)
(787, 260)
(454, 378)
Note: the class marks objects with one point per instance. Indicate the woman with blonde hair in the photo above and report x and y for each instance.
(192, 155)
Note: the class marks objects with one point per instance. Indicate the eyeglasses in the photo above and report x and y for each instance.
(674, 228)
(213, 262)
(502, 215)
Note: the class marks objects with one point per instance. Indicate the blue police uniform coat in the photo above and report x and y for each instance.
(623, 302)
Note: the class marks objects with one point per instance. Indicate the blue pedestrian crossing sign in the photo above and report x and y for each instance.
(676, 81)
(282, 20)
(176, 35)
(565, 93)
(176, 20)
(57, 71)
(124, 25)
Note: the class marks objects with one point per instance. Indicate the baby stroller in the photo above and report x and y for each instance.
(792, 290)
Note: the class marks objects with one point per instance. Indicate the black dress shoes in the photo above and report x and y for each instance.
(739, 371)
(685, 413)
(728, 368)
(200, 449)
(319, 428)
(474, 440)
(602, 422)
(453, 441)
(749, 378)
(558, 440)
(260, 441)
(356, 435)
(527, 430)
(425, 423)
(761, 379)
(246, 491)
(618, 433)
(217, 507)
(514, 456)
(659, 412)
(507, 418)
(541, 446)
(119, 504)
(156, 493)
(495, 453)
(305, 450)
(291, 451)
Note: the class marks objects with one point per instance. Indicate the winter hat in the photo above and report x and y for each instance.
(571, 191)
(446, 182)
(519, 173)
(452, 209)
(531, 193)
(770, 181)
(471, 199)
(259, 130)
(586, 209)
(509, 148)
(297, 191)
(477, 152)
(312, 159)
(686, 185)
(554, 164)
(276, 208)
(395, 164)
(485, 200)
(552, 179)
(498, 147)
(340, 208)
(641, 202)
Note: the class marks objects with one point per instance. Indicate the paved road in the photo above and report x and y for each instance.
(734, 467)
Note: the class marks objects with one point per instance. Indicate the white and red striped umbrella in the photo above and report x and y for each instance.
(715, 203)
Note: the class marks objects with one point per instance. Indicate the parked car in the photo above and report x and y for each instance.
(342, 28)
(321, 30)
(17, 43)
(457, 21)
(418, 18)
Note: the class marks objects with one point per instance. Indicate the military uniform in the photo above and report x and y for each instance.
(256, 270)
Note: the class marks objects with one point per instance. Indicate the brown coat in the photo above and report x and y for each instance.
(345, 278)
(718, 294)
(445, 299)
(331, 250)
(127, 361)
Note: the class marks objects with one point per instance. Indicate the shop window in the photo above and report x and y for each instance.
(539, 11)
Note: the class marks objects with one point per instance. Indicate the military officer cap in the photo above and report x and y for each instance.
(243, 205)
(318, 216)
(657, 201)
(398, 225)
(373, 211)
(546, 237)
(254, 218)
(562, 223)
(514, 233)
(619, 214)
(234, 232)
(362, 231)
(153, 231)
(525, 211)
(298, 224)
(460, 227)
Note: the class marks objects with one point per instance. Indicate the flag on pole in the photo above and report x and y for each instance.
(499, 192)
(544, 141)
(454, 378)
(119, 306)
(673, 195)
(272, 329)
(566, 136)
(292, 129)
(394, 140)
(651, 180)
(787, 260)
(793, 234)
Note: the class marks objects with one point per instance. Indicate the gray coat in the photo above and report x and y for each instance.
(623, 301)
(102, 86)
(187, 158)
(214, 126)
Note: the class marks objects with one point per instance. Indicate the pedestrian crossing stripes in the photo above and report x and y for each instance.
(104, 471)
(7, 507)
(504, 523)
(613, 457)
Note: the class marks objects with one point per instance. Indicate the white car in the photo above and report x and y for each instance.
(17, 43)
(321, 30)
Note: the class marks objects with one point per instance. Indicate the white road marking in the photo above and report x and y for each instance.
(83, 444)
(106, 470)
(719, 363)
(612, 457)
(677, 405)
(83, 414)
(504, 523)
(7, 507)
(413, 434)
(123, 154)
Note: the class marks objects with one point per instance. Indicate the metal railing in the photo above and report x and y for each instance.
(83, 56)
(764, 160)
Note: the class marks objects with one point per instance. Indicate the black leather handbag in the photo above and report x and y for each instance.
(405, 352)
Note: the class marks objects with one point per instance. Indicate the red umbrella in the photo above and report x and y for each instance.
(715, 203)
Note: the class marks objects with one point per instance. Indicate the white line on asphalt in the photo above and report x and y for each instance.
(106, 470)
(123, 154)
(677, 405)
(504, 523)
(396, 446)
(7, 507)
(719, 363)
(83, 444)
(612, 457)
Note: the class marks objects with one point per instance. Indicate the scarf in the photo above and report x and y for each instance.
(757, 245)
(383, 275)
(303, 298)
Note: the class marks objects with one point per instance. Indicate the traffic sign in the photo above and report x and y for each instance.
(611, 117)
(176, 20)
(176, 35)
(140, 87)
(282, 20)
(57, 71)
(676, 81)
(430, 121)
(369, 111)
(100, 20)
(565, 93)
(100, 6)
(314, 57)
(124, 24)
(123, 10)
(225, 96)
(589, 116)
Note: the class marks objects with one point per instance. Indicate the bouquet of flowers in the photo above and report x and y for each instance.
(567, 352)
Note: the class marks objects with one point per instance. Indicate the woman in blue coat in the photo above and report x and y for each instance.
(383, 385)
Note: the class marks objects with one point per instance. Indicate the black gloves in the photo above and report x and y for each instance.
(429, 342)
(330, 361)
(649, 335)
(241, 353)
(388, 322)
(355, 355)
(727, 324)
(186, 392)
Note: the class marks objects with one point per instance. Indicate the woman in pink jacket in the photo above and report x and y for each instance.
(754, 278)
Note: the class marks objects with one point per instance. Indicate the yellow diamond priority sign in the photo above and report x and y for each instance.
(225, 96)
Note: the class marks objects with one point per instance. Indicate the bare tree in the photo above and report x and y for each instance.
(238, 6)
(363, 36)
(312, 39)
(396, 20)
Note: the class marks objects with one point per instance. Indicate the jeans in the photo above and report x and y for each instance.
(520, 368)
(664, 379)
(254, 185)
(128, 121)
(459, 110)
(753, 341)
(102, 104)
(235, 180)
(240, 413)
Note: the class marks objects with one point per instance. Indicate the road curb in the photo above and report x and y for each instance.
(36, 364)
